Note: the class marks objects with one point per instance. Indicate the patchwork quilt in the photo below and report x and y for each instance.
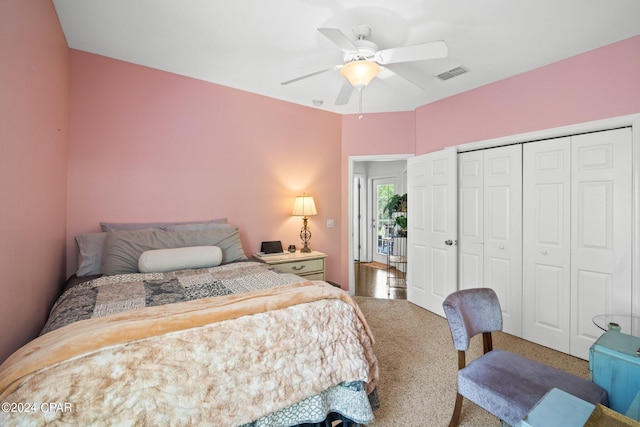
(109, 295)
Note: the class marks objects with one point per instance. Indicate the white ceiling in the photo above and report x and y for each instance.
(254, 45)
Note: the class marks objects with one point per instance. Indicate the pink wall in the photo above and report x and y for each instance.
(595, 85)
(147, 145)
(33, 142)
(378, 134)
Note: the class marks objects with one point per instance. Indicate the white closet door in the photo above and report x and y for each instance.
(600, 232)
(470, 220)
(432, 230)
(547, 243)
(503, 231)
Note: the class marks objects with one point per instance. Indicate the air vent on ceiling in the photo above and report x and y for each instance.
(454, 72)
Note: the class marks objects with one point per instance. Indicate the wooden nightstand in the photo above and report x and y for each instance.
(309, 265)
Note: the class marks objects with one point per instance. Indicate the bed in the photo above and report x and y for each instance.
(171, 324)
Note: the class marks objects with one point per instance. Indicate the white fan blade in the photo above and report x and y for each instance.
(339, 39)
(335, 67)
(402, 73)
(418, 52)
(345, 93)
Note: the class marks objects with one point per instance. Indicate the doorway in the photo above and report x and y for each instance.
(365, 225)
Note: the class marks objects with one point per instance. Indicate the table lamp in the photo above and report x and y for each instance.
(304, 206)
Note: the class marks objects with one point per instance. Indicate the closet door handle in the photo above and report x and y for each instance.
(450, 242)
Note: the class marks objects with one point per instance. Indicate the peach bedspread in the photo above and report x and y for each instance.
(218, 361)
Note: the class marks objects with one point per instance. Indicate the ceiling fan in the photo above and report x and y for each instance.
(362, 59)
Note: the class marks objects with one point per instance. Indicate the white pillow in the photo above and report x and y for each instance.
(163, 260)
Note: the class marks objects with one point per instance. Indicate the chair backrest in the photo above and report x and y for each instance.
(471, 312)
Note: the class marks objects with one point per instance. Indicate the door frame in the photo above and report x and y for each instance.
(351, 167)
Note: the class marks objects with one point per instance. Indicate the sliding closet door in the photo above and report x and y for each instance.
(600, 232)
(490, 227)
(503, 231)
(547, 242)
(470, 220)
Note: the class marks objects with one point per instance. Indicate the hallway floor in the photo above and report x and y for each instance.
(371, 281)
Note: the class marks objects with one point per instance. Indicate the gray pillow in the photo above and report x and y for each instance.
(195, 226)
(123, 247)
(90, 249)
(106, 226)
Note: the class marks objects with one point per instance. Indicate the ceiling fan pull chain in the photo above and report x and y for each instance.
(360, 103)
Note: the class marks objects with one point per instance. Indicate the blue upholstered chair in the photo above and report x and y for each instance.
(505, 384)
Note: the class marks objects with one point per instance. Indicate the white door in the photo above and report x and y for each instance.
(470, 220)
(432, 230)
(503, 231)
(601, 230)
(547, 243)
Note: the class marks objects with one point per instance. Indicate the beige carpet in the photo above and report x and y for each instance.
(418, 365)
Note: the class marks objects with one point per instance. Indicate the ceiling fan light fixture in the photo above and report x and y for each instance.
(360, 72)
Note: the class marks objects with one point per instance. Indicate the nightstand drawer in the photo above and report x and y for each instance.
(310, 265)
(303, 267)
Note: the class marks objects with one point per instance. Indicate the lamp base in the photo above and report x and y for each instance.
(305, 236)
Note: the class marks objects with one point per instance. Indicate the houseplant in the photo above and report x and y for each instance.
(396, 207)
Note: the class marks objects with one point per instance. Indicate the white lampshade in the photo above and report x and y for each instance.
(359, 73)
(304, 206)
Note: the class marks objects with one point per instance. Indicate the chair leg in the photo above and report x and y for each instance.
(455, 417)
